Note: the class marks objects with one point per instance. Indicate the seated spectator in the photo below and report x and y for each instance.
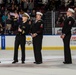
(1, 29)
(8, 25)
(25, 3)
(12, 8)
(59, 22)
(30, 5)
(1, 2)
(33, 14)
(4, 17)
(29, 12)
(2, 10)
(15, 20)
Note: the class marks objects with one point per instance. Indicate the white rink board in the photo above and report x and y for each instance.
(47, 41)
(0, 41)
(9, 41)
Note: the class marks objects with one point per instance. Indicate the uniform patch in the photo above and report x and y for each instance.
(23, 32)
(69, 22)
(41, 26)
(23, 27)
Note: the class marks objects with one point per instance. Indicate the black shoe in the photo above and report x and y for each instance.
(14, 62)
(34, 62)
(23, 62)
(67, 62)
(37, 62)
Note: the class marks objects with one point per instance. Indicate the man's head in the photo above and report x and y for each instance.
(25, 17)
(39, 15)
(70, 12)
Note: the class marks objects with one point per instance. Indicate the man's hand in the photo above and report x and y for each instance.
(62, 36)
(34, 35)
(19, 30)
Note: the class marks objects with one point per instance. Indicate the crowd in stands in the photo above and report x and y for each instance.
(11, 12)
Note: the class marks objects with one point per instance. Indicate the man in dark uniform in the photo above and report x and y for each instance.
(20, 39)
(37, 35)
(66, 35)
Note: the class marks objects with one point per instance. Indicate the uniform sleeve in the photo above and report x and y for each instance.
(27, 29)
(30, 27)
(41, 27)
(23, 29)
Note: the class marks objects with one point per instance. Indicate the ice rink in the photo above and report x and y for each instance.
(52, 64)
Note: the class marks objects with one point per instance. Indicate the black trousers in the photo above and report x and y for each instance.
(67, 51)
(37, 46)
(19, 40)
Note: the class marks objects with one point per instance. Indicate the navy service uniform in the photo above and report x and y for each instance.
(37, 27)
(21, 40)
(66, 30)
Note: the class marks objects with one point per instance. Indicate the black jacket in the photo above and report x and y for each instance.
(68, 24)
(25, 27)
(37, 27)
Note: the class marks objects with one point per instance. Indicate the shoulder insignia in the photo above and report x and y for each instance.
(69, 22)
(23, 32)
(41, 26)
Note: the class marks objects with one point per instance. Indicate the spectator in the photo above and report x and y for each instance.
(8, 25)
(70, 3)
(25, 5)
(30, 5)
(2, 10)
(13, 8)
(15, 20)
(22, 4)
(4, 17)
(18, 1)
(1, 2)
(9, 1)
(57, 4)
(28, 12)
(33, 14)
(59, 22)
(1, 29)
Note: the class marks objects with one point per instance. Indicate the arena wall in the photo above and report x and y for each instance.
(50, 42)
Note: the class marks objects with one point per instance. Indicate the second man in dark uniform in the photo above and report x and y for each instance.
(37, 35)
(66, 35)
